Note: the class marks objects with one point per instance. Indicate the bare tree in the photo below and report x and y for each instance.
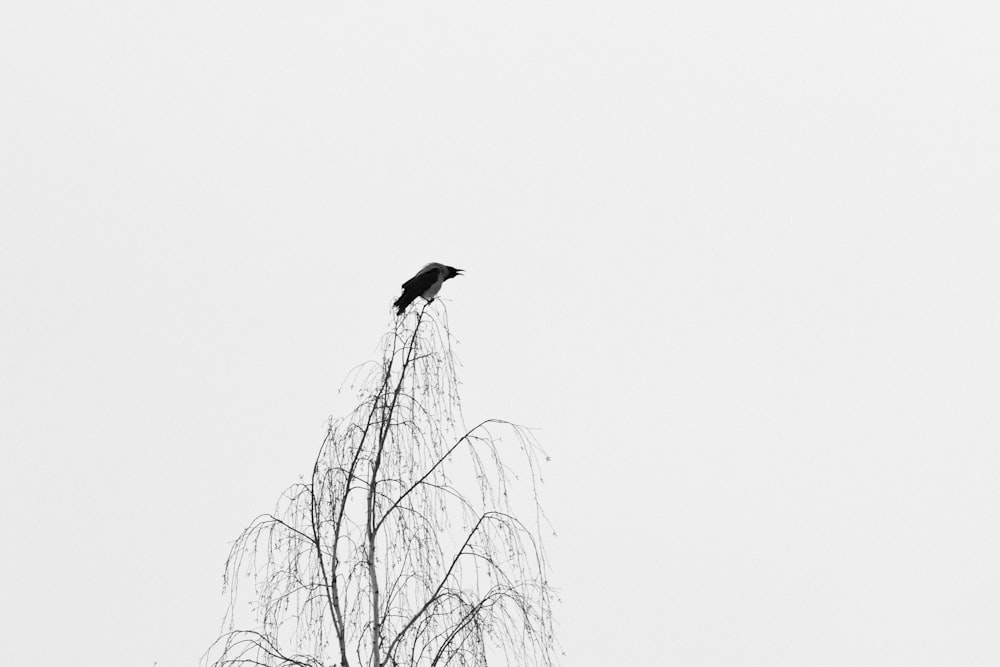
(404, 546)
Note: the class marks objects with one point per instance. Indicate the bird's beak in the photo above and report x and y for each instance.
(458, 272)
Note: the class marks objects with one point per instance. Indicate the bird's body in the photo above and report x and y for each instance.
(427, 283)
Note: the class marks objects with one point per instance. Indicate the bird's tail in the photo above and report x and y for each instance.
(401, 303)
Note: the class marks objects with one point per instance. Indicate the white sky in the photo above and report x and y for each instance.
(738, 262)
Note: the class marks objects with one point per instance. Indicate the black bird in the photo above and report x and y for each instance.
(427, 283)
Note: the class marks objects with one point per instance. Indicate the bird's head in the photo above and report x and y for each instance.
(452, 272)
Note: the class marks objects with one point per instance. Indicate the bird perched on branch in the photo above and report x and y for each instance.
(427, 283)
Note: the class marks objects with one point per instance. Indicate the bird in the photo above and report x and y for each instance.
(427, 283)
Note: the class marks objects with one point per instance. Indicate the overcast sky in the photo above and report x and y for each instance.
(736, 262)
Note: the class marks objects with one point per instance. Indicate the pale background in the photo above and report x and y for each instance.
(738, 262)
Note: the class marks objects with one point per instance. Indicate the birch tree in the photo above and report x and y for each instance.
(414, 540)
